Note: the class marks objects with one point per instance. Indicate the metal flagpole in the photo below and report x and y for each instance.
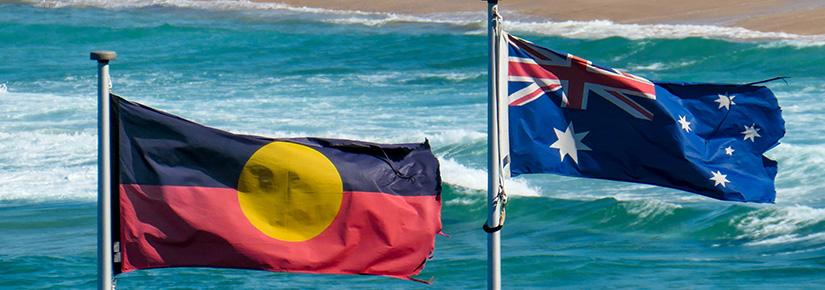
(493, 158)
(104, 181)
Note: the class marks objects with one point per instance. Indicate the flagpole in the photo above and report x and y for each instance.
(104, 181)
(494, 237)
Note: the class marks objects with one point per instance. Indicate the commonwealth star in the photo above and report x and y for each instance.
(719, 178)
(569, 143)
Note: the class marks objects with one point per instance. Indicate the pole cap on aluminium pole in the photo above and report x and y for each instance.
(103, 55)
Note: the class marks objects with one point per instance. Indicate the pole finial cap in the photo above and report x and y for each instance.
(103, 55)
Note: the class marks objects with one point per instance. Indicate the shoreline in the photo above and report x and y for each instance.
(802, 17)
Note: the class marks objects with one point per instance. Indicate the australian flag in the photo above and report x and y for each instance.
(569, 116)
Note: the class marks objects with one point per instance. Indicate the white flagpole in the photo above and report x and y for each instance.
(104, 181)
(493, 158)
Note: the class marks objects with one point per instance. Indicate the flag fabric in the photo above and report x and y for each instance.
(194, 196)
(571, 117)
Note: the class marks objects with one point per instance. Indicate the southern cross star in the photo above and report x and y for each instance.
(729, 151)
(751, 132)
(725, 101)
(569, 143)
(719, 178)
(684, 123)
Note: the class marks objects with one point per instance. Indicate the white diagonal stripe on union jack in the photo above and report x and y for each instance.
(536, 89)
(549, 71)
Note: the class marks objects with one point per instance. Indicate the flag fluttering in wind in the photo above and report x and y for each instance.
(569, 116)
(191, 195)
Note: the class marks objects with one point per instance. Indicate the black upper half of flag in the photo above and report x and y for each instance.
(158, 148)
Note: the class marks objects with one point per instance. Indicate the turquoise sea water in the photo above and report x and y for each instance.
(280, 71)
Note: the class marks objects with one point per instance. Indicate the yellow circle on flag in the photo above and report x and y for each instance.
(289, 191)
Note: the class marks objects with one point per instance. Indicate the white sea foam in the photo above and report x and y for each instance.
(393, 78)
(47, 166)
(773, 225)
(451, 76)
(659, 66)
(649, 67)
(462, 201)
(374, 79)
(787, 239)
(3, 88)
(26, 111)
(594, 29)
(455, 137)
(47, 152)
(455, 173)
(380, 19)
(799, 166)
(606, 28)
(49, 184)
(797, 42)
(650, 208)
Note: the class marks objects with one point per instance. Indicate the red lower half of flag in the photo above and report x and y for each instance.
(186, 226)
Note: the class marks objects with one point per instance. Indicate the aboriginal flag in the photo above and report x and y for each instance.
(194, 196)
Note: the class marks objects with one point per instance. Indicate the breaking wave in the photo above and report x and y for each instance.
(782, 225)
(596, 29)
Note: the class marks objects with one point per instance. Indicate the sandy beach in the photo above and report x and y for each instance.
(805, 17)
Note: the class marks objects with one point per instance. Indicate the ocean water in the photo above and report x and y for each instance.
(281, 71)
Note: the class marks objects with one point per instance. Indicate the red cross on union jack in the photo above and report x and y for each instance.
(549, 71)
